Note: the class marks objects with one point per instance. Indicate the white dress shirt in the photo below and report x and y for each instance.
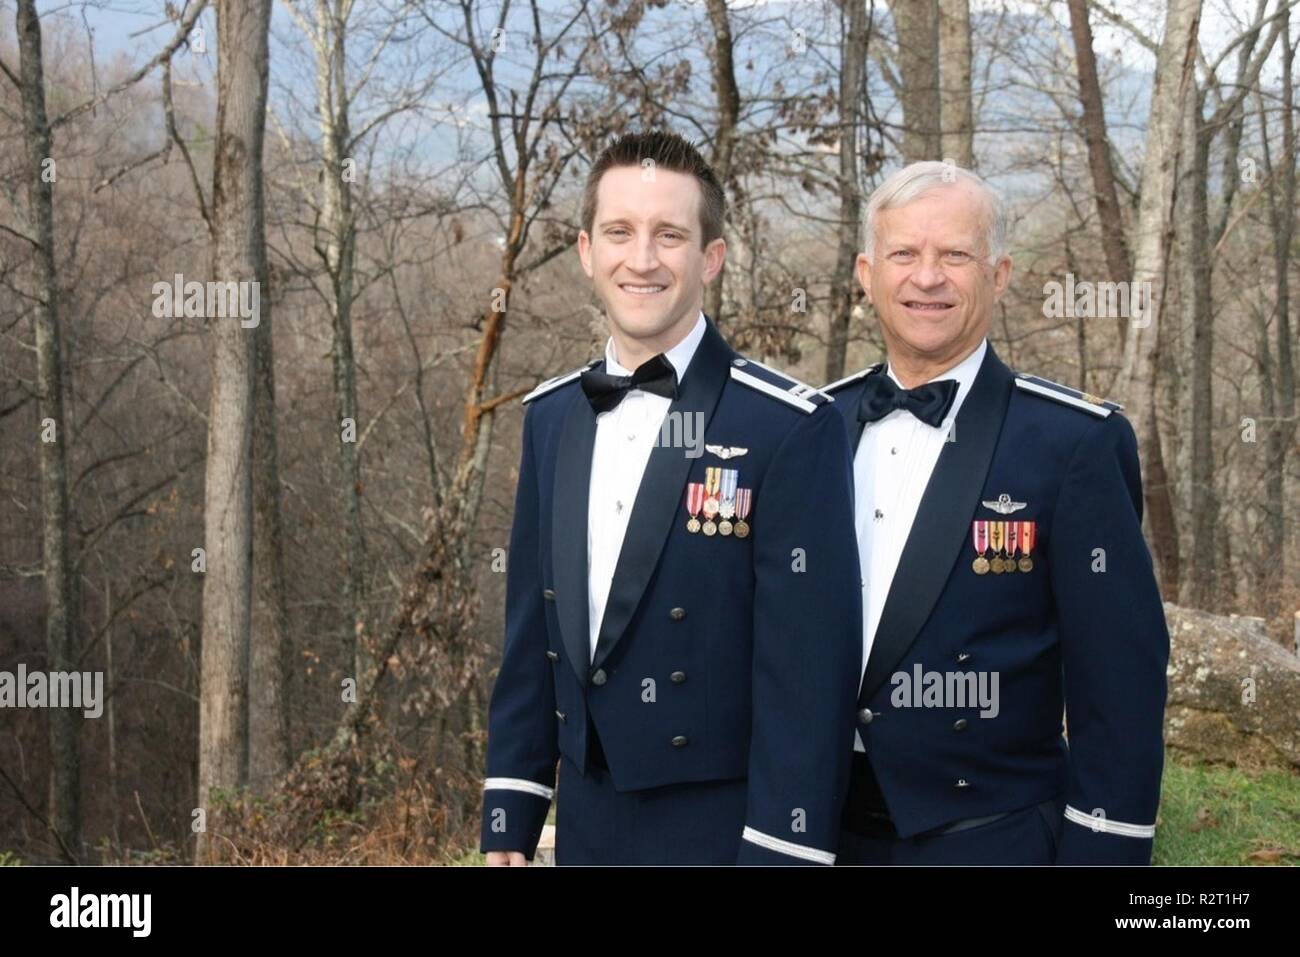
(625, 437)
(891, 468)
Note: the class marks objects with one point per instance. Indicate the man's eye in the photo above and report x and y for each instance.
(958, 257)
(671, 237)
(900, 255)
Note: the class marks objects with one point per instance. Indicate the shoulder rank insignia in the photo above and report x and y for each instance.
(1065, 395)
(778, 385)
(850, 379)
(559, 380)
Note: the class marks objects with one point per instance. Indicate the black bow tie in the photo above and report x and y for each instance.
(605, 391)
(929, 402)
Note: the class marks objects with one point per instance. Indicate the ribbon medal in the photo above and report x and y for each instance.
(1028, 534)
(744, 498)
(997, 539)
(980, 537)
(694, 502)
(727, 504)
(1013, 537)
(712, 480)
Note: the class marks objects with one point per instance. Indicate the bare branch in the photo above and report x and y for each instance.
(169, 112)
(164, 56)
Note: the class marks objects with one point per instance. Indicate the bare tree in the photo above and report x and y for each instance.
(335, 242)
(239, 255)
(852, 96)
(722, 63)
(916, 25)
(60, 565)
(958, 140)
(1278, 381)
(1135, 384)
(60, 597)
(269, 746)
(1198, 238)
(1114, 240)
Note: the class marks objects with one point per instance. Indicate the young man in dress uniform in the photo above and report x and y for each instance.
(1004, 575)
(677, 633)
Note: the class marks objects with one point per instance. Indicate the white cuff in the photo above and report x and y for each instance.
(519, 784)
(1108, 826)
(787, 847)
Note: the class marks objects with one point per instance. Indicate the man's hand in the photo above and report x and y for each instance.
(506, 859)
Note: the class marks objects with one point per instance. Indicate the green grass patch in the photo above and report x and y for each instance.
(1220, 815)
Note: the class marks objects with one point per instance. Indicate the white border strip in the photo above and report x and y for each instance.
(861, 374)
(787, 847)
(550, 384)
(1108, 826)
(754, 382)
(519, 784)
(800, 388)
(1098, 410)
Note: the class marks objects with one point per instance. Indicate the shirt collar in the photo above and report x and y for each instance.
(964, 372)
(679, 355)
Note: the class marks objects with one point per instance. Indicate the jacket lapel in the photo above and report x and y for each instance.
(847, 403)
(660, 495)
(941, 524)
(569, 529)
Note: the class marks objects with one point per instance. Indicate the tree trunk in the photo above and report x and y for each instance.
(852, 64)
(60, 600)
(958, 143)
(1203, 500)
(1278, 383)
(1135, 385)
(1095, 136)
(916, 24)
(724, 144)
(239, 256)
(339, 231)
(269, 750)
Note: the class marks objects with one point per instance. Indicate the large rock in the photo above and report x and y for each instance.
(1234, 694)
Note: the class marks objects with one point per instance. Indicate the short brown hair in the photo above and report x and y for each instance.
(667, 151)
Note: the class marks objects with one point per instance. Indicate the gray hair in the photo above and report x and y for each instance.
(917, 179)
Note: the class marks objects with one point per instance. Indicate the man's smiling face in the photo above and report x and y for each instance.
(644, 256)
(929, 277)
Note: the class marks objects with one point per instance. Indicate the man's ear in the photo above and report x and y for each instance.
(584, 252)
(864, 274)
(1001, 277)
(715, 254)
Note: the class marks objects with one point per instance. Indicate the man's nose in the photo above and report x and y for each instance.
(645, 255)
(928, 274)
